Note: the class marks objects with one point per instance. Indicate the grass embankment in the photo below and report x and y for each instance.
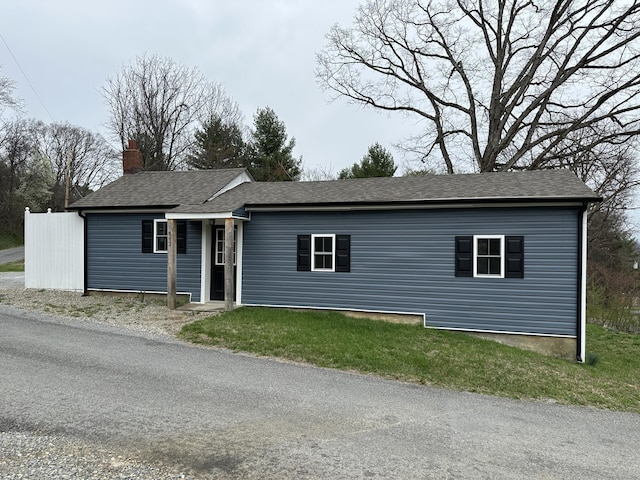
(8, 240)
(17, 266)
(445, 359)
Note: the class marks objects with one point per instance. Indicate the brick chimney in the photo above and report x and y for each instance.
(132, 158)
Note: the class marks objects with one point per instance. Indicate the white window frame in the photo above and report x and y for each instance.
(157, 221)
(475, 256)
(216, 243)
(333, 252)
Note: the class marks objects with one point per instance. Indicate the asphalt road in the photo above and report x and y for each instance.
(228, 415)
(11, 255)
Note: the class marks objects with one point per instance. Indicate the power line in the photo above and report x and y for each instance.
(26, 78)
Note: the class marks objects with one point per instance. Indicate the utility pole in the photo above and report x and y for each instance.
(67, 180)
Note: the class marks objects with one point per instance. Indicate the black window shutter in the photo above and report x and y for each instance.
(343, 253)
(464, 256)
(514, 265)
(181, 226)
(304, 253)
(147, 236)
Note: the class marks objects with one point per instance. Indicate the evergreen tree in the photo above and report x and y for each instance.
(271, 153)
(218, 144)
(378, 162)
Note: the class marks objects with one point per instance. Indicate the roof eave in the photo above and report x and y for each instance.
(120, 207)
(432, 203)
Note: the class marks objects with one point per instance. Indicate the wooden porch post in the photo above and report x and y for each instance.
(229, 293)
(172, 249)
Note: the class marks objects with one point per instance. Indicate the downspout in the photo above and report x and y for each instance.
(581, 315)
(85, 290)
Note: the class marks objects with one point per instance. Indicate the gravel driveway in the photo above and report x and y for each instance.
(144, 314)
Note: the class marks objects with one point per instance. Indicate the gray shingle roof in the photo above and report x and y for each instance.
(159, 189)
(543, 185)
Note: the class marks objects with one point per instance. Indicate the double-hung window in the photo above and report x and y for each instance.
(322, 253)
(160, 236)
(155, 236)
(492, 256)
(326, 252)
(489, 256)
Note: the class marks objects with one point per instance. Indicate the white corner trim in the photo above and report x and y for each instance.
(205, 263)
(239, 251)
(583, 289)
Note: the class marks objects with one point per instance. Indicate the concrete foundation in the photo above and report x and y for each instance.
(387, 317)
(560, 347)
(553, 346)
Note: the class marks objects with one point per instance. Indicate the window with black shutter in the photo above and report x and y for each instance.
(304, 253)
(464, 256)
(497, 256)
(514, 264)
(155, 236)
(324, 253)
(343, 253)
(147, 236)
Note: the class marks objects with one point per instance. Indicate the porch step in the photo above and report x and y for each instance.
(202, 307)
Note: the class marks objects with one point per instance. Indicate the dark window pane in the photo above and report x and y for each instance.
(494, 266)
(323, 261)
(483, 266)
(494, 246)
(161, 228)
(483, 246)
(161, 243)
(317, 244)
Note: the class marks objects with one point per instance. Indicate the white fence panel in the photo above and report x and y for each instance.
(54, 251)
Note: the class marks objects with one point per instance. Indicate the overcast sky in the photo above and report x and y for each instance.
(261, 51)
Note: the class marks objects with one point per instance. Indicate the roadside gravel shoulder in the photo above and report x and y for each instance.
(135, 313)
(26, 455)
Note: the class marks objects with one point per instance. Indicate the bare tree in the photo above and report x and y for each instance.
(501, 83)
(320, 173)
(84, 156)
(158, 103)
(7, 100)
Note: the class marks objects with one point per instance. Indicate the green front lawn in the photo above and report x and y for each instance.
(434, 357)
(17, 266)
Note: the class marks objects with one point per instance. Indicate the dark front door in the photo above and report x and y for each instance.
(218, 261)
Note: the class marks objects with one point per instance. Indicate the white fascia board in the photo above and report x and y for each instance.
(202, 216)
(121, 210)
(239, 180)
(402, 206)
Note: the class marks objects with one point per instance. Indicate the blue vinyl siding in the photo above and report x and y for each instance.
(115, 260)
(403, 261)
